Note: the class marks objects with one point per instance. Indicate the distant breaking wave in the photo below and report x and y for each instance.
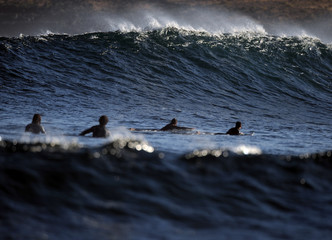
(207, 20)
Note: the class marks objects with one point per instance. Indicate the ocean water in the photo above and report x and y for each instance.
(272, 184)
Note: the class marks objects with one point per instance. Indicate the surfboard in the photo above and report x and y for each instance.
(180, 129)
(187, 130)
(219, 133)
(143, 130)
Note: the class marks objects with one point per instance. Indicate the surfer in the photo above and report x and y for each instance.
(169, 127)
(98, 131)
(35, 126)
(173, 126)
(235, 130)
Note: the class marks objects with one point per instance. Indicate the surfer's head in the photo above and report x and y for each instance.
(103, 120)
(36, 119)
(174, 121)
(238, 125)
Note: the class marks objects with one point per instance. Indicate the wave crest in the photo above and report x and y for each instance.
(209, 21)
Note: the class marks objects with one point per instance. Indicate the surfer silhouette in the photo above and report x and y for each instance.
(235, 130)
(35, 126)
(173, 126)
(98, 131)
(169, 127)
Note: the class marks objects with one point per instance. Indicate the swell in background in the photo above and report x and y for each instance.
(280, 87)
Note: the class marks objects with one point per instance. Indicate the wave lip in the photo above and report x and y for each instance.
(209, 21)
(276, 17)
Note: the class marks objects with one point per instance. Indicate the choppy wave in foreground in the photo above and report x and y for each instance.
(119, 190)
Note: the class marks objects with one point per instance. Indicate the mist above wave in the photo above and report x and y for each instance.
(203, 19)
(208, 20)
(214, 22)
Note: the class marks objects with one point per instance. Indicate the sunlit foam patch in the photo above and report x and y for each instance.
(224, 153)
(247, 150)
(141, 146)
(206, 152)
(127, 143)
(118, 148)
(123, 133)
(122, 138)
(137, 145)
(44, 142)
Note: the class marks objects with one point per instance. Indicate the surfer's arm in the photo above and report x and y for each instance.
(42, 130)
(167, 127)
(229, 132)
(87, 131)
(27, 128)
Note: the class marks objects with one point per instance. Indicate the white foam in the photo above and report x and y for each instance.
(62, 141)
(122, 136)
(200, 20)
(247, 150)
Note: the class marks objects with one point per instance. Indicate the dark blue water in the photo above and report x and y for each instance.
(274, 184)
